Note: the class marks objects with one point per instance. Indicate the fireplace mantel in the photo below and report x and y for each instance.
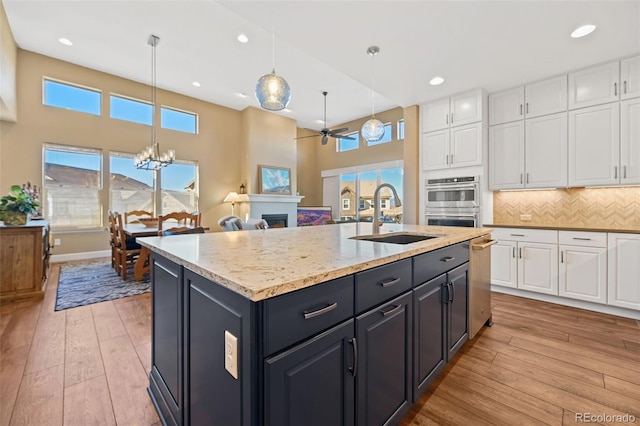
(270, 198)
(256, 205)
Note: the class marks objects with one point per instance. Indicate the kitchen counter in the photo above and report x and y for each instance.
(261, 264)
(566, 228)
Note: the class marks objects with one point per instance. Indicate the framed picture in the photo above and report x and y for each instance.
(310, 216)
(274, 180)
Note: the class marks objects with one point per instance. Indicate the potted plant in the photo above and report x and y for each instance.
(16, 207)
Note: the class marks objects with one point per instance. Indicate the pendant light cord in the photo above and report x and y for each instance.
(273, 48)
(373, 85)
(154, 43)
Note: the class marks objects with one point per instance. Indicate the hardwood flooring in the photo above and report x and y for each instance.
(539, 364)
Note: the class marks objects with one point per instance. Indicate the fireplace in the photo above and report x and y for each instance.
(276, 220)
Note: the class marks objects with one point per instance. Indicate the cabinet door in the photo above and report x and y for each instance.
(466, 108)
(458, 309)
(594, 86)
(435, 150)
(583, 273)
(546, 151)
(504, 264)
(624, 270)
(594, 145)
(546, 97)
(630, 141)
(538, 267)
(506, 106)
(630, 77)
(506, 156)
(466, 145)
(383, 380)
(429, 353)
(435, 115)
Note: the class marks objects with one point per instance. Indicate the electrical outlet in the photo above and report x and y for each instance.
(231, 354)
(57, 242)
(525, 217)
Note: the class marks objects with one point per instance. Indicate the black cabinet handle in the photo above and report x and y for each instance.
(312, 314)
(447, 259)
(354, 369)
(389, 283)
(394, 309)
(582, 239)
(453, 292)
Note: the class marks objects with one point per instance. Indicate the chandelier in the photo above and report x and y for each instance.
(373, 129)
(150, 157)
(272, 91)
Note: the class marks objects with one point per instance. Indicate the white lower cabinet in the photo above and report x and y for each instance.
(624, 270)
(504, 263)
(538, 267)
(583, 266)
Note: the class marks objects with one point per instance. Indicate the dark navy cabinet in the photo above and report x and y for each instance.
(457, 309)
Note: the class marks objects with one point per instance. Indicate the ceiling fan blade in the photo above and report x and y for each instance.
(344, 137)
(325, 138)
(304, 137)
(340, 130)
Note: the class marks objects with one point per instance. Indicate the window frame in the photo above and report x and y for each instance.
(132, 99)
(346, 204)
(46, 79)
(400, 124)
(160, 191)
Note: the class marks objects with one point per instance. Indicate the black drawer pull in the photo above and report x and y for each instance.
(517, 235)
(312, 314)
(447, 259)
(389, 283)
(582, 239)
(391, 311)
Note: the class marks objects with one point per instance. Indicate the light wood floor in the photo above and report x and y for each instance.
(539, 364)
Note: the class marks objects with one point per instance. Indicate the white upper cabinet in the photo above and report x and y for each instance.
(630, 141)
(506, 156)
(594, 145)
(594, 86)
(434, 150)
(533, 100)
(458, 110)
(460, 146)
(630, 77)
(546, 151)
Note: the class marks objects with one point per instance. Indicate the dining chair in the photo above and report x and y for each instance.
(182, 218)
(113, 238)
(182, 230)
(126, 250)
(135, 215)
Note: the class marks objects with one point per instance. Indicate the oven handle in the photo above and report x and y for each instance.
(452, 214)
(450, 187)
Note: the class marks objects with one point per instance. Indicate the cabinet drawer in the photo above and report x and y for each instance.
(585, 239)
(522, 234)
(295, 316)
(430, 265)
(376, 285)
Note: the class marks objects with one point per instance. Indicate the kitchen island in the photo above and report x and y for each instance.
(304, 325)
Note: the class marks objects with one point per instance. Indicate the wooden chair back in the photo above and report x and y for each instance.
(182, 230)
(135, 215)
(182, 218)
(124, 252)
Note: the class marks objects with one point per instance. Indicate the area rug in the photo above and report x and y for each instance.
(85, 284)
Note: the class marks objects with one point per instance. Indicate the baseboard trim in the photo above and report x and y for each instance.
(581, 304)
(56, 258)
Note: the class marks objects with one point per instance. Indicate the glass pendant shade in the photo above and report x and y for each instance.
(273, 92)
(372, 130)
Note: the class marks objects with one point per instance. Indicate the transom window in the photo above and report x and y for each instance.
(386, 137)
(182, 121)
(347, 144)
(68, 96)
(128, 109)
(400, 129)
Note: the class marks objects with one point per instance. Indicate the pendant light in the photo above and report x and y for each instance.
(272, 91)
(150, 158)
(373, 129)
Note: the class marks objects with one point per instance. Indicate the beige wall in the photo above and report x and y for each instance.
(411, 164)
(8, 61)
(217, 146)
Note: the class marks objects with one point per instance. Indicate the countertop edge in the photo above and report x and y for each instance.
(566, 228)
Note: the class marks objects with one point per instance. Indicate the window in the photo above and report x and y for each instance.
(129, 188)
(345, 204)
(400, 129)
(347, 193)
(386, 137)
(72, 184)
(181, 121)
(384, 204)
(179, 187)
(348, 144)
(68, 96)
(363, 205)
(131, 110)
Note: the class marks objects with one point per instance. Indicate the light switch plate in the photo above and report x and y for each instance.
(525, 217)
(231, 354)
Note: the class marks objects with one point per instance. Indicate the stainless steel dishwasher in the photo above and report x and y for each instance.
(480, 283)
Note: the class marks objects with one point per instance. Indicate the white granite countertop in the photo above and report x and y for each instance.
(260, 264)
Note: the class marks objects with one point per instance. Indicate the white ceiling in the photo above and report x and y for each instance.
(321, 45)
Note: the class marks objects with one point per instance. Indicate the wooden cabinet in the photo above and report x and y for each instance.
(630, 78)
(624, 270)
(583, 266)
(594, 145)
(24, 258)
(594, 86)
(630, 141)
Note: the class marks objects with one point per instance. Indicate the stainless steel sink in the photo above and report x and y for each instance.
(396, 238)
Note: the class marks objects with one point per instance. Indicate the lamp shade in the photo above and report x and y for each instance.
(372, 130)
(232, 197)
(273, 92)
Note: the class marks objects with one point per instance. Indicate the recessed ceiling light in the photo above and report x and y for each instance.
(436, 80)
(320, 121)
(286, 110)
(583, 31)
(243, 38)
(242, 95)
(195, 83)
(65, 41)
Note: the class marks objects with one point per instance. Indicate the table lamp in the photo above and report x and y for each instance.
(232, 198)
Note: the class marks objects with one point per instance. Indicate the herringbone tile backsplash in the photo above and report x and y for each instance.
(610, 208)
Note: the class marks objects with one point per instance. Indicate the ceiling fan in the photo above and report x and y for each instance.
(326, 132)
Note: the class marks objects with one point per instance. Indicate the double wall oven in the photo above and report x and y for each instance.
(453, 201)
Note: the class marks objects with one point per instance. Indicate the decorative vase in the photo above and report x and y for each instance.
(15, 218)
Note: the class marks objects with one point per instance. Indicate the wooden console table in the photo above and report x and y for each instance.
(24, 260)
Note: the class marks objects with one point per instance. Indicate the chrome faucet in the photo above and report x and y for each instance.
(376, 205)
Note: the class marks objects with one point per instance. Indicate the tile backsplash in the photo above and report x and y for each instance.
(611, 208)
